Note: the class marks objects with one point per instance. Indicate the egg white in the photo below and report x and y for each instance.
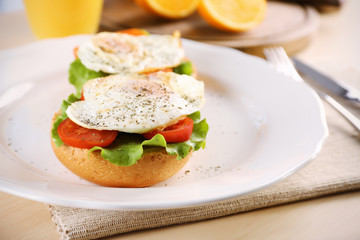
(137, 103)
(124, 53)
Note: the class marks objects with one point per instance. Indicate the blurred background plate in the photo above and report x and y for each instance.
(287, 24)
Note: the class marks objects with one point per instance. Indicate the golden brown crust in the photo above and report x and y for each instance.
(152, 168)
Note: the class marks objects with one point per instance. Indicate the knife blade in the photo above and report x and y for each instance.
(340, 89)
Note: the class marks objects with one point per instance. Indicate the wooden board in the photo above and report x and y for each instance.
(286, 24)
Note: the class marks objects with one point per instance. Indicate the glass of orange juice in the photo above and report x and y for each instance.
(59, 18)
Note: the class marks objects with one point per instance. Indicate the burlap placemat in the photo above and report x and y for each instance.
(336, 169)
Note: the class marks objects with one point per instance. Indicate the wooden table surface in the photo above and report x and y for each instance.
(335, 48)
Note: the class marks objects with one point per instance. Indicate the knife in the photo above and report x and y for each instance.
(340, 89)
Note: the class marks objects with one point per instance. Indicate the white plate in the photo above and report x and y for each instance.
(263, 127)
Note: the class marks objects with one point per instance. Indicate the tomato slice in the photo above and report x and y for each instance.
(134, 31)
(159, 70)
(178, 132)
(80, 137)
(75, 51)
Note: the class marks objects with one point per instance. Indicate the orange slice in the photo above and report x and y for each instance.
(233, 15)
(172, 9)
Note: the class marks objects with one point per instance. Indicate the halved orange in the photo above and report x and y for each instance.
(172, 9)
(233, 15)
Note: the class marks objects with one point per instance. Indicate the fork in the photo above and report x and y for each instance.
(278, 58)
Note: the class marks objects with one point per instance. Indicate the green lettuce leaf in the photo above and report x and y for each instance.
(184, 68)
(128, 148)
(79, 75)
(61, 117)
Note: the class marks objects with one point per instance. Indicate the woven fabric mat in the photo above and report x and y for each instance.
(336, 169)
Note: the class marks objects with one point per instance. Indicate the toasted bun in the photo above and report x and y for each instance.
(152, 168)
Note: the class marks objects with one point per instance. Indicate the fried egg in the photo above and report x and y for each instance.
(137, 103)
(124, 53)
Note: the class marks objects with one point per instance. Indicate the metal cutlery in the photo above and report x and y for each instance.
(327, 82)
(278, 58)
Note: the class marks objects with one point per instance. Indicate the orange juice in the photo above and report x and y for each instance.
(59, 18)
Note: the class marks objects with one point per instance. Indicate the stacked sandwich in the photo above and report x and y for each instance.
(134, 119)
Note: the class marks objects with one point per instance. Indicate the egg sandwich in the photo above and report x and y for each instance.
(132, 122)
